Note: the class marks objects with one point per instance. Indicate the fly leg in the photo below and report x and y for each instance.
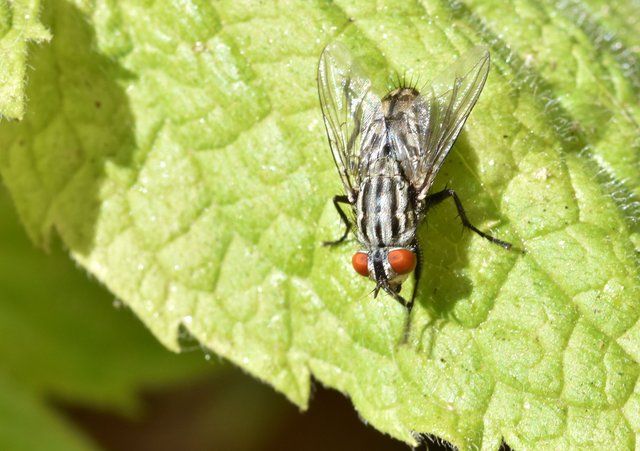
(394, 293)
(340, 199)
(436, 198)
(417, 272)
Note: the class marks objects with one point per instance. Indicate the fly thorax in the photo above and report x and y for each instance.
(384, 166)
(385, 213)
(398, 102)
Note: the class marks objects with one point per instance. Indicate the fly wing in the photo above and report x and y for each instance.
(440, 112)
(352, 114)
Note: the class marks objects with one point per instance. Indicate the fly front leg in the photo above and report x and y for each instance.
(417, 272)
(436, 198)
(340, 199)
(395, 294)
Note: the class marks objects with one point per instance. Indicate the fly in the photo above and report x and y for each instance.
(388, 152)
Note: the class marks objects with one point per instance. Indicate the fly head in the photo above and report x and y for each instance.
(387, 267)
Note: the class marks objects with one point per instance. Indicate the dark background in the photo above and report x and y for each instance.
(231, 411)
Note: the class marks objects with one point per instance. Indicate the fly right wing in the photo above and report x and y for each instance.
(440, 113)
(352, 115)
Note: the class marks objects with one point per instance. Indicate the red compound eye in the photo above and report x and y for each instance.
(402, 261)
(360, 263)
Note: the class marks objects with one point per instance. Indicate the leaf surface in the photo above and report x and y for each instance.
(19, 25)
(179, 153)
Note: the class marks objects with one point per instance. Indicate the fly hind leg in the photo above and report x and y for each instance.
(436, 198)
(340, 199)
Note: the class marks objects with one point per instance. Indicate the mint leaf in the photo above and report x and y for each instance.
(19, 25)
(180, 155)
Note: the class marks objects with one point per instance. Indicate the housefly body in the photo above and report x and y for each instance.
(388, 152)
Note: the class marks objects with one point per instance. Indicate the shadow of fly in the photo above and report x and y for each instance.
(388, 152)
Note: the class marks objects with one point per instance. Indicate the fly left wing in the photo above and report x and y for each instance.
(352, 114)
(440, 112)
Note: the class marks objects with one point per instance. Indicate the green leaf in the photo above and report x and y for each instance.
(180, 154)
(26, 424)
(19, 25)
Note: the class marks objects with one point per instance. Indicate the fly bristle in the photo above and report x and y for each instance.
(402, 82)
